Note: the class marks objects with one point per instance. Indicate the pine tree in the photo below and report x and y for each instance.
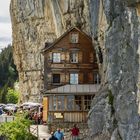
(8, 72)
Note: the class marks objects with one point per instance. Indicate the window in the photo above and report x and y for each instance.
(51, 106)
(74, 103)
(73, 78)
(60, 103)
(74, 57)
(56, 78)
(70, 103)
(78, 103)
(97, 79)
(74, 38)
(87, 101)
(56, 57)
(56, 103)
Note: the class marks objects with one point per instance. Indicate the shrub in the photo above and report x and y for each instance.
(17, 129)
(12, 96)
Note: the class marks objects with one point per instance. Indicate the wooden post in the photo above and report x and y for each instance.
(45, 109)
(37, 132)
(138, 9)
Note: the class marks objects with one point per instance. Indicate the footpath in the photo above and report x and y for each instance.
(40, 131)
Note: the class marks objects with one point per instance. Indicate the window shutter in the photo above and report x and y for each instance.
(81, 77)
(91, 58)
(63, 56)
(67, 57)
(50, 56)
(49, 78)
(80, 57)
(90, 77)
(67, 77)
(62, 79)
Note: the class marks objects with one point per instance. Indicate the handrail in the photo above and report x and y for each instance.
(6, 118)
(34, 130)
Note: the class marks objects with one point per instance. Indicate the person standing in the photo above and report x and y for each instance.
(59, 135)
(36, 118)
(1, 111)
(75, 132)
(52, 137)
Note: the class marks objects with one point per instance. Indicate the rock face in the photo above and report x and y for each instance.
(114, 26)
(35, 22)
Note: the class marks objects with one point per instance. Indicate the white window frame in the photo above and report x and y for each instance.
(74, 37)
(74, 57)
(56, 57)
(74, 78)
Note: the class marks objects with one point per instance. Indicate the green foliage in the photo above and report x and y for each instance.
(110, 101)
(110, 97)
(17, 130)
(8, 72)
(12, 96)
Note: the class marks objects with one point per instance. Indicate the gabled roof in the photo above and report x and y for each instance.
(63, 35)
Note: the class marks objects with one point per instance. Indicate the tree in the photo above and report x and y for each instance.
(8, 72)
(12, 96)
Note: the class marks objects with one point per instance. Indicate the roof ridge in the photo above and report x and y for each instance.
(63, 35)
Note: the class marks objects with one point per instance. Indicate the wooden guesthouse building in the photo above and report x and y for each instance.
(71, 77)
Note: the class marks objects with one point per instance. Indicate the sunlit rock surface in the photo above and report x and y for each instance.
(35, 22)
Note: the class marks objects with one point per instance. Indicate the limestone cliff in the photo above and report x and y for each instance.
(35, 22)
(114, 27)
